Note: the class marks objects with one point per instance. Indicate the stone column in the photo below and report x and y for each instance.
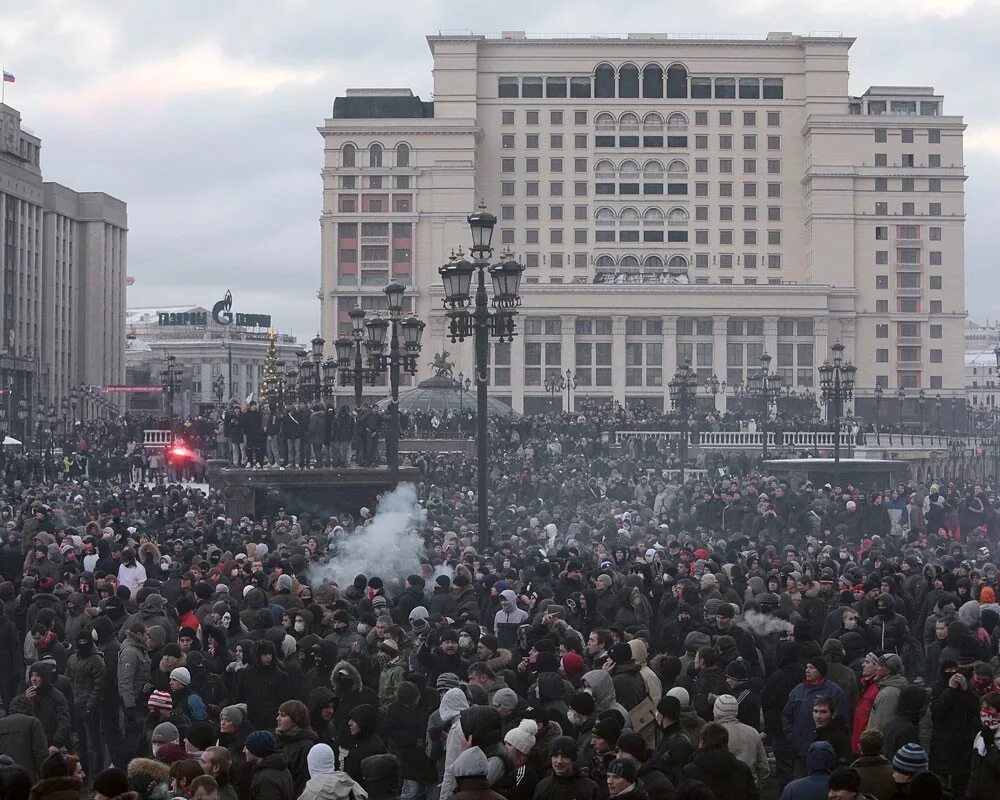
(568, 327)
(719, 356)
(517, 371)
(618, 357)
(669, 355)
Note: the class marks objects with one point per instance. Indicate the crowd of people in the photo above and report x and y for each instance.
(618, 635)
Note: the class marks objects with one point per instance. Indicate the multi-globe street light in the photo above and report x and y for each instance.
(836, 378)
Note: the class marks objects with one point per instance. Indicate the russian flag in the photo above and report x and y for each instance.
(8, 77)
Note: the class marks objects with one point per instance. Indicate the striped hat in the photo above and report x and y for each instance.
(910, 759)
(160, 700)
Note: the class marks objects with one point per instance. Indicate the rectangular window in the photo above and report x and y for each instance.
(934, 258)
(725, 141)
(750, 142)
(936, 331)
(881, 135)
(882, 355)
(933, 159)
(936, 307)
(579, 165)
(580, 87)
(774, 88)
(507, 188)
(700, 117)
(882, 331)
(506, 117)
(774, 213)
(935, 281)
(749, 119)
(701, 143)
(907, 135)
(750, 89)
(881, 160)
(531, 87)
(555, 87)
(531, 118)
(701, 89)
(507, 87)
(934, 136)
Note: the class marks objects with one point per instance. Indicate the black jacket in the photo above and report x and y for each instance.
(720, 770)
(984, 781)
(574, 787)
(955, 718)
(296, 745)
(271, 779)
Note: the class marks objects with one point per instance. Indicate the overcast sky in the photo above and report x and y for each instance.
(202, 116)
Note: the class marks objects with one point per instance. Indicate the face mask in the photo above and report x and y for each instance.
(573, 717)
(850, 624)
(299, 626)
(227, 618)
(990, 719)
(465, 642)
(363, 629)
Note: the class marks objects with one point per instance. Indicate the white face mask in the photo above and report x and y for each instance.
(465, 642)
(299, 626)
(574, 717)
(227, 618)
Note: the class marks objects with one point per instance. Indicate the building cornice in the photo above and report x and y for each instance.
(400, 127)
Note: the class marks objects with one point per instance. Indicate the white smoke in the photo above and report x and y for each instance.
(390, 547)
(763, 625)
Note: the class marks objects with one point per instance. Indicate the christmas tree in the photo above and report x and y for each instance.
(271, 384)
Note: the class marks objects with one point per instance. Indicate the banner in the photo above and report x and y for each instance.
(114, 387)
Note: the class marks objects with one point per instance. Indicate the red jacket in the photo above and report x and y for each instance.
(862, 711)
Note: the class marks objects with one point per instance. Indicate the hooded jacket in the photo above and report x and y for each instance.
(820, 761)
(296, 744)
(270, 779)
(797, 714)
(22, 737)
(262, 688)
(723, 773)
(49, 706)
(366, 743)
(903, 727)
(151, 612)
(744, 742)
(884, 707)
(602, 688)
(350, 693)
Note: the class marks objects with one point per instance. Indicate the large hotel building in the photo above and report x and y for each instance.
(671, 199)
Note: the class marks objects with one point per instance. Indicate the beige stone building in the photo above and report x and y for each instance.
(671, 199)
(62, 279)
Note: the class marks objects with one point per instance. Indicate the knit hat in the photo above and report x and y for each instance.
(165, 732)
(909, 760)
(236, 714)
(389, 647)
(582, 703)
(563, 746)
(572, 664)
(446, 681)
(472, 763)
(285, 583)
(670, 707)
(634, 744)
(160, 700)
(321, 760)
(111, 783)
(712, 606)
(726, 610)
(820, 664)
(620, 653)
(522, 738)
(381, 767)
(623, 768)
(378, 601)
(726, 707)
(607, 728)
(181, 675)
(681, 694)
(834, 649)
(891, 662)
(54, 766)
(737, 670)
(505, 698)
(261, 743)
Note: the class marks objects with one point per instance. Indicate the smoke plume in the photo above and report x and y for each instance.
(390, 547)
(763, 625)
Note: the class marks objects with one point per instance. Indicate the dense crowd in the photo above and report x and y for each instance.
(622, 635)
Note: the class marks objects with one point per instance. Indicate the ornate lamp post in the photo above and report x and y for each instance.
(554, 384)
(766, 387)
(878, 407)
(683, 387)
(937, 410)
(921, 396)
(219, 386)
(713, 385)
(480, 323)
(464, 384)
(349, 349)
(570, 383)
(901, 396)
(836, 378)
(317, 366)
(170, 380)
(402, 356)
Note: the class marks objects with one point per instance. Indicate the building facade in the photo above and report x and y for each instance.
(217, 362)
(982, 377)
(703, 200)
(63, 284)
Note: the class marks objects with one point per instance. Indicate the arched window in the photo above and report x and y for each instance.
(604, 262)
(678, 215)
(629, 218)
(628, 171)
(348, 155)
(677, 120)
(677, 81)
(653, 262)
(402, 155)
(652, 123)
(652, 81)
(677, 264)
(652, 172)
(604, 81)
(628, 262)
(604, 123)
(628, 124)
(605, 218)
(605, 171)
(677, 167)
(652, 218)
(628, 81)
(375, 155)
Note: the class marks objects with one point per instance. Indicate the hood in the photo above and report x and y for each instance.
(453, 703)
(366, 715)
(321, 761)
(153, 604)
(471, 764)
(898, 681)
(821, 757)
(787, 653)
(146, 771)
(550, 687)
(262, 647)
(346, 667)
(45, 670)
(639, 651)
(509, 596)
(319, 697)
(911, 703)
(970, 614)
(601, 687)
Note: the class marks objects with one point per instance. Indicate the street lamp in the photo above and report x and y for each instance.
(766, 387)
(878, 407)
(683, 387)
(348, 348)
(463, 386)
(901, 396)
(481, 323)
(404, 336)
(937, 410)
(836, 378)
(317, 370)
(554, 383)
(219, 385)
(713, 385)
(170, 378)
(921, 396)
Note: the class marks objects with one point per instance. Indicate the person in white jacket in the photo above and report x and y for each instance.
(744, 742)
(452, 705)
(326, 782)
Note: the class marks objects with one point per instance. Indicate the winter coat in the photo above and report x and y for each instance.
(86, 680)
(876, 776)
(603, 690)
(23, 738)
(884, 707)
(903, 727)
(573, 787)
(133, 671)
(64, 787)
(955, 718)
(51, 708)
(797, 714)
(820, 761)
(349, 699)
(837, 735)
(863, 712)
(296, 744)
(984, 779)
(723, 773)
(150, 613)
(709, 681)
(332, 786)
(263, 689)
(271, 780)
(745, 743)
(404, 728)
(779, 686)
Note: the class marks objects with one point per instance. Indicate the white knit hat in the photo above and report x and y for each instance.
(725, 707)
(522, 738)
